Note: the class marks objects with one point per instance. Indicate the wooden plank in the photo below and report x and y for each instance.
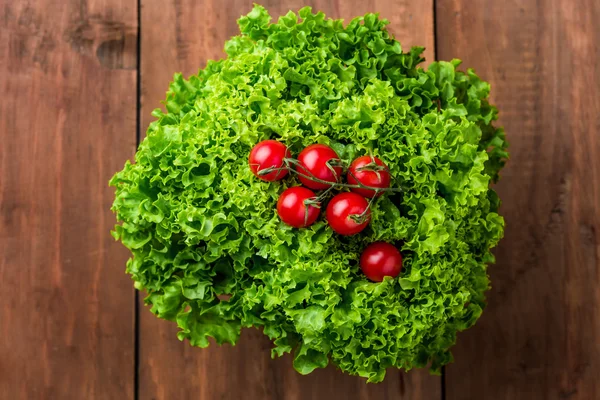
(67, 122)
(538, 337)
(182, 36)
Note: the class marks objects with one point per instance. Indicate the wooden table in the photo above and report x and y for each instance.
(78, 81)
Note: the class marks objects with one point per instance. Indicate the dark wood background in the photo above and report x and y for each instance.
(78, 80)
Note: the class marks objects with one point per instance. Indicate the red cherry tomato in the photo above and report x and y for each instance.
(348, 213)
(268, 154)
(380, 259)
(297, 207)
(369, 171)
(315, 161)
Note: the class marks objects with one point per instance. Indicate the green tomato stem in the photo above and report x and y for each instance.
(308, 175)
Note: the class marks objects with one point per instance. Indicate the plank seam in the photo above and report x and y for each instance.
(138, 135)
(435, 30)
(443, 383)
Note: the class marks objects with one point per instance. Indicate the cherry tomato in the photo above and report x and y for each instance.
(316, 161)
(268, 154)
(380, 259)
(297, 207)
(369, 171)
(348, 213)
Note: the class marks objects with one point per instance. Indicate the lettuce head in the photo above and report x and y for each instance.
(207, 244)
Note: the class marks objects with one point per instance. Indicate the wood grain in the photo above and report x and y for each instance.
(539, 337)
(180, 35)
(67, 122)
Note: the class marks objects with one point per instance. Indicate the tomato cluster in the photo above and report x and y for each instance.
(320, 168)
